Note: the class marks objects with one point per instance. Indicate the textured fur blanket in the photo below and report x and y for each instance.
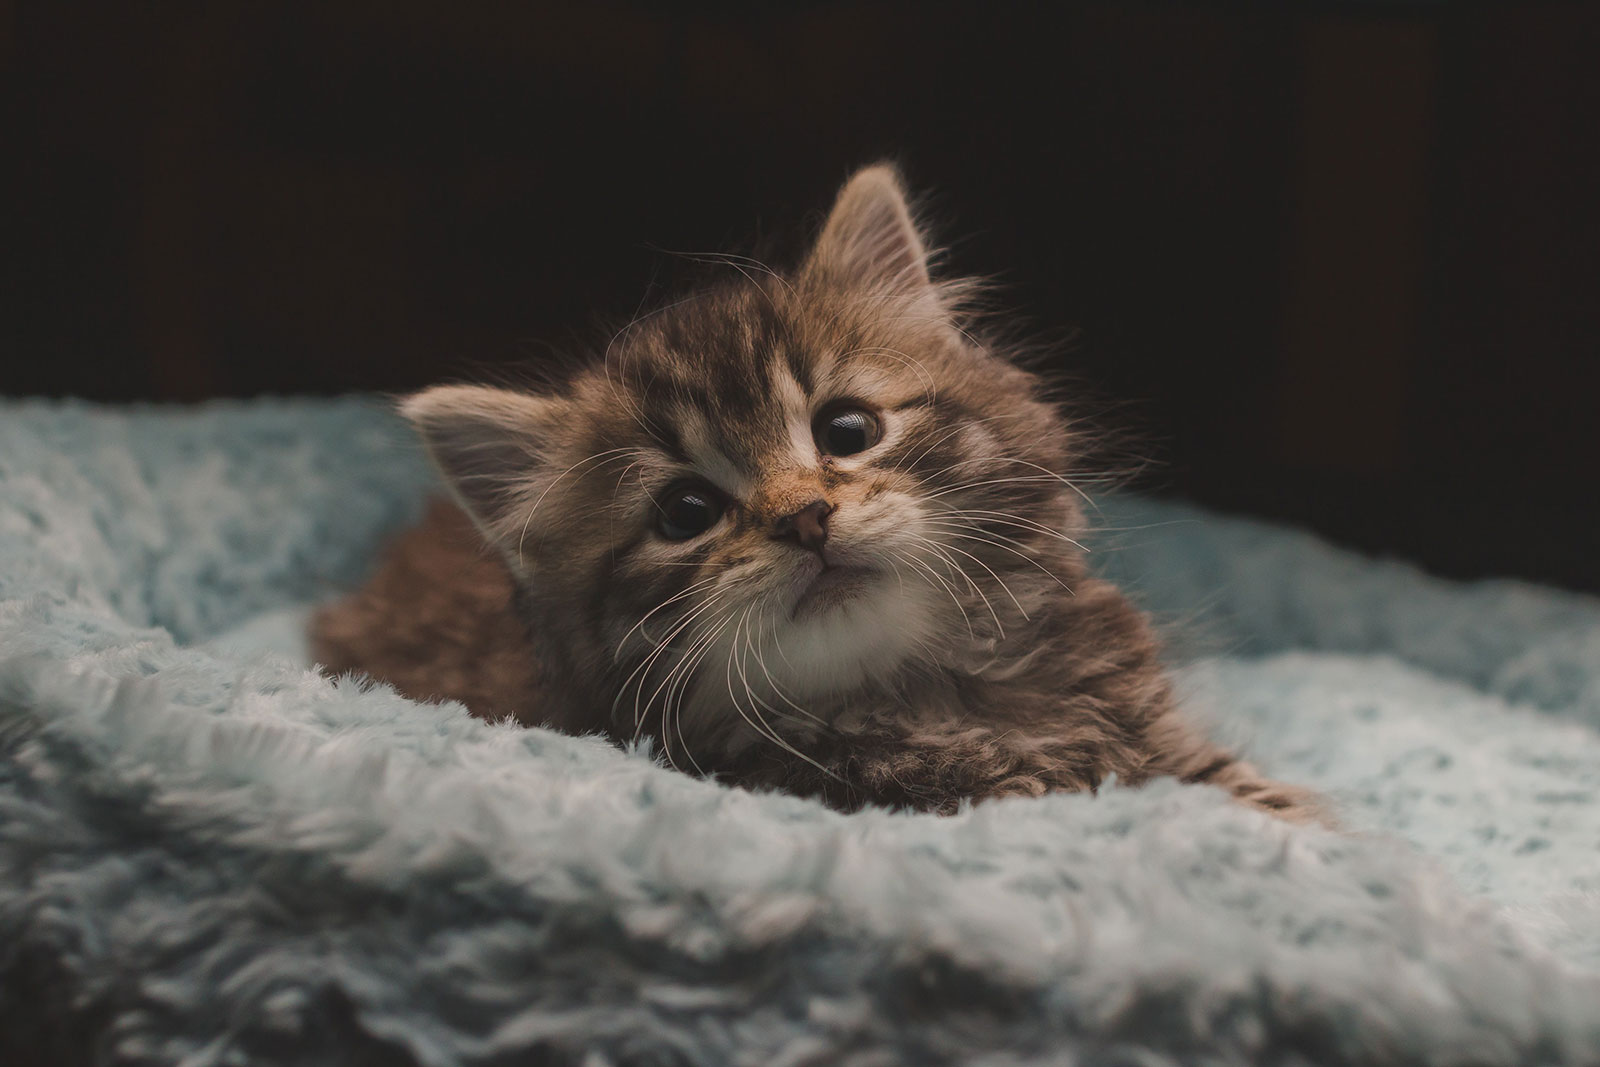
(211, 855)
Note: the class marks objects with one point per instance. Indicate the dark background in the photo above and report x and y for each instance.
(1343, 259)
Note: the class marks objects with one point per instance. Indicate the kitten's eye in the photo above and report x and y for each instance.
(846, 431)
(688, 511)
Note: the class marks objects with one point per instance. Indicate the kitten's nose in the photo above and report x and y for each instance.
(808, 526)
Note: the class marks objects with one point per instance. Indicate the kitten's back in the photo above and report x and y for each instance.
(436, 621)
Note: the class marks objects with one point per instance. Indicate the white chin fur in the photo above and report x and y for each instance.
(796, 669)
(865, 638)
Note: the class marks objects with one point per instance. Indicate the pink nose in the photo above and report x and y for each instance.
(808, 527)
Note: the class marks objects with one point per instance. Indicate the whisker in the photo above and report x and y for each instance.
(761, 661)
(703, 640)
(642, 670)
(672, 708)
(992, 574)
(911, 561)
(623, 641)
(946, 436)
(939, 550)
(612, 510)
(904, 360)
(755, 700)
(731, 260)
(733, 699)
(706, 631)
(964, 486)
(1023, 555)
(957, 524)
(1008, 519)
(613, 452)
(744, 678)
(1063, 479)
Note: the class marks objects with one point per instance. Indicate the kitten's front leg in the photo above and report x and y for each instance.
(924, 770)
(935, 766)
(926, 766)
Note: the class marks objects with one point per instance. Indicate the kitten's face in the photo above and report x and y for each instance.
(769, 496)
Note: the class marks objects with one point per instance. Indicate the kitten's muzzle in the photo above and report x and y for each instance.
(807, 527)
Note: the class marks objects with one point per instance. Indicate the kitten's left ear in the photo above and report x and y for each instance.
(493, 447)
(870, 238)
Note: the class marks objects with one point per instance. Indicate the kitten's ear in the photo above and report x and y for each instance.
(870, 237)
(490, 444)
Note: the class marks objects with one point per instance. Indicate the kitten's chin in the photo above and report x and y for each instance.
(833, 587)
(847, 627)
(850, 625)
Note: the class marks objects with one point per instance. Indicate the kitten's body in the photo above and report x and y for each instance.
(906, 622)
(438, 621)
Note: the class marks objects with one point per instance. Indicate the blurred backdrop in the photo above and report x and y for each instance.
(1341, 261)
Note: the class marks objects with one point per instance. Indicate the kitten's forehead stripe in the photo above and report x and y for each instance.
(798, 365)
(793, 408)
(723, 380)
(728, 366)
(706, 446)
(669, 440)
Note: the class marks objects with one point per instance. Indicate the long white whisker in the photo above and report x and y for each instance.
(911, 561)
(939, 550)
(1052, 475)
(1024, 479)
(945, 437)
(622, 643)
(958, 524)
(1006, 518)
(728, 259)
(761, 661)
(744, 678)
(905, 360)
(769, 733)
(704, 639)
(642, 670)
(1005, 548)
(613, 452)
(992, 574)
(696, 635)
(672, 705)
(733, 699)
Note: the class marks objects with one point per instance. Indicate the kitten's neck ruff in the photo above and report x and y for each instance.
(884, 651)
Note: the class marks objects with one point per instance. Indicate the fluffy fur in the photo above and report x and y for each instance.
(961, 650)
(222, 857)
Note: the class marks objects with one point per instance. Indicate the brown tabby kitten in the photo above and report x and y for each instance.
(806, 532)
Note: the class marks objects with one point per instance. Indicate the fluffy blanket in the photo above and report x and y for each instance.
(211, 855)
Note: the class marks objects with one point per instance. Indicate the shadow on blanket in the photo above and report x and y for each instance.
(210, 854)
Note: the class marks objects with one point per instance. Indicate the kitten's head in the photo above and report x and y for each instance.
(772, 494)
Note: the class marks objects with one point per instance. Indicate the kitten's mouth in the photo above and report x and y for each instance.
(833, 584)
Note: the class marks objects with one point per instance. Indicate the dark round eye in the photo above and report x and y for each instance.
(687, 511)
(846, 431)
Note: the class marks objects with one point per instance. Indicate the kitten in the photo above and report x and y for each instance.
(806, 532)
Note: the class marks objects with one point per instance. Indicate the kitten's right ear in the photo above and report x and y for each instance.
(870, 238)
(490, 444)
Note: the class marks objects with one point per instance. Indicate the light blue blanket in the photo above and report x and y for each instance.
(211, 855)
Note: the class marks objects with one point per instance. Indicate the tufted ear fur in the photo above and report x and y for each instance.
(870, 238)
(491, 445)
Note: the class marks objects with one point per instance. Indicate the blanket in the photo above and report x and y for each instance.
(211, 854)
